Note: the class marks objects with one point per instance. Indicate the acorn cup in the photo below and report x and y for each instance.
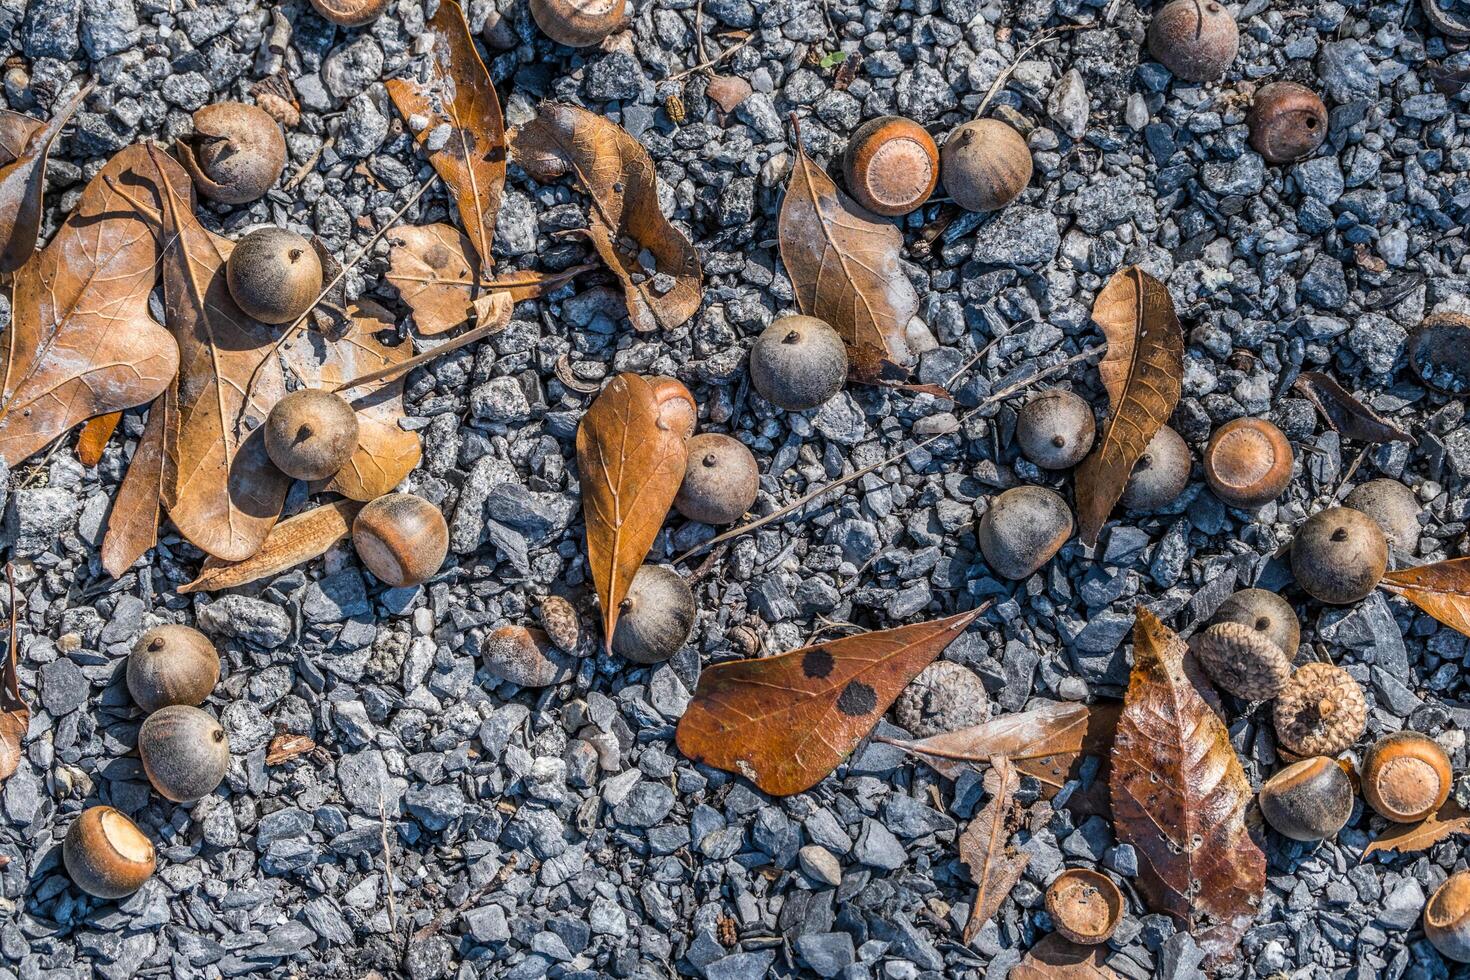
(106, 854)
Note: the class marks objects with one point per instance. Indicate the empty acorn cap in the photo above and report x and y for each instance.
(1447, 918)
(563, 625)
(1243, 661)
(1406, 776)
(1085, 906)
(1320, 711)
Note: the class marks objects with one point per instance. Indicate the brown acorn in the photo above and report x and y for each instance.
(1242, 660)
(1248, 462)
(525, 657)
(1055, 429)
(1338, 555)
(185, 752)
(579, 23)
(1320, 711)
(721, 480)
(1022, 529)
(1267, 613)
(1085, 906)
(1406, 777)
(891, 165)
(1394, 508)
(236, 154)
(106, 854)
(1447, 918)
(274, 275)
(172, 664)
(1287, 122)
(1308, 800)
(985, 164)
(310, 434)
(1195, 39)
(401, 538)
(350, 13)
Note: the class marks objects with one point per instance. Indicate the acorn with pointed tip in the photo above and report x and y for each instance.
(1055, 429)
(1022, 529)
(172, 664)
(655, 617)
(720, 480)
(985, 164)
(798, 362)
(310, 434)
(106, 854)
(1161, 473)
(1394, 508)
(401, 538)
(1338, 555)
(274, 275)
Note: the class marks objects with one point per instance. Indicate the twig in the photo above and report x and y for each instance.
(976, 359)
(1050, 34)
(442, 919)
(699, 31)
(310, 164)
(705, 66)
(387, 861)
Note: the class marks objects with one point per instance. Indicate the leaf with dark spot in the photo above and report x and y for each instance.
(1345, 413)
(785, 722)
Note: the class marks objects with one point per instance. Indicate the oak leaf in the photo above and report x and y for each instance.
(94, 436)
(15, 714)
(132, 525)
(1442, 589)
(630, 461)
(1179, 797)
(81, 342)
(844, 267)
(1345, 413)
(1143, 372)
(985, 848)
(786, 722)
(15, 131)
(299, 538)
(457, 98)
(22, 181)
(1403, 838)
(1055, 958)
(658, 269)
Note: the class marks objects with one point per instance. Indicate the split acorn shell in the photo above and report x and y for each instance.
(401, 538)
(1309, 800)
(1447, 918)
(1406, 777)
(106, 855)
(1085, 906)
(236, 153)
(891, 165)
(1195, 39)
(1287, 122)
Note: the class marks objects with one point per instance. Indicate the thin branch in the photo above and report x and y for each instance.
(1050, 34)
(712, 62)
(387, 861)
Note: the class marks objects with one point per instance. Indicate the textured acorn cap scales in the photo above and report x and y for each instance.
(401, 538)
(1287, 122)
(1195, 39)
(945, 697)
(1338, 555)
(1311, 799)
(891, 165)
(1022, 529)
(985, 164)
(1055, 429)
(1248, 462)
(1242, 660)
(172, 664)
(562, 623)
(106, 854)
(720, 480)
(1447, 918)
(1267, 613)
(1161, 473)
(185, 752)
(798, 362)
(1085, 906)
(1406, 777)
(274, 275)
(655, 617)
(1320, 711)
(235, 154)
(310, 434)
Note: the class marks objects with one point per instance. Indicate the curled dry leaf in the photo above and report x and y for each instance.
(630, 462)
(21, 183)
(1442, 589)
(985, 848)
(844, 268)
(1404, 838)
(15, 714)
(299, 538)
(658, 268)
(1345, 413)
(786, 722)
(1055, 958)
(1179, 797)
(1143, 372)
(81, 342)
(494, 314)
(132, 526)
(567, 375)
(456, 93)
(287, 746)
(94, 436)
(385, 453)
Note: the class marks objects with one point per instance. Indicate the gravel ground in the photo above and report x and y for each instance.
(559, 832)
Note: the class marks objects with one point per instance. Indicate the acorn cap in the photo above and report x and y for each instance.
(1406, 776)
(1447, 918)
(1248, 462)
(562, 623)
(1243, 661)
(1320, 711)
(1085, 906)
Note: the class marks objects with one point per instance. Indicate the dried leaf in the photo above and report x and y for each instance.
(1442, 589)
(220, 488)
(1054, 958)
(1143, 372)
(458, 94)
(22, 181)
(81, 342)
(786, 722)
(385, 453)
(296, 539)
(16, 129)
(1404, 838)
(1345, 413)
(94, 437)
(15, 714)
(287, 746)
(493, 312)
(132, 527)
(631, 464)
(1179, 797)
(844, 268)
(436, 274)
(985, 849)
(655, 263)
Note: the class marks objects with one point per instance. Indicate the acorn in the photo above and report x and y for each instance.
(655, 617)
(525, 657)
(1308, 800)
(1406, 777)
(676, 409)
(1338, 555)
(1447, 918)
(106, 854)
(1161, 473)
(1394, 508)
(1287, 122)
(1242, 660)
(1085, 906)
(798, 362)
(985, 164)
(350, 13)
(891, 165)
(1194, 39)
(172, 664)
(185, 752)
(274, 275)
(1267, 613)
(401, 538)
(236, 154)
(579, 23)
(310, 434)
(1248, 462)
(1055, 429)
(1022, 529)
(720, 480)
(1320, 711)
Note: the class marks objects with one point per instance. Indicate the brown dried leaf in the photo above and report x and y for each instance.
(844, 268)
(132, 527)
(1054, 958)
(299, 538)
(16, 129)
(285, 747)
(985, 849)
(15, 714)
(786, 722)
(385, 453)
(457, 93)
(493, 312)
(220, 488)
(94, 436)
(1345, 413)
(1442, 589)
(631, 464)
(1179, 797)
(436, 274)
(1143, 372)
(22, 181)
(81, 342)
(625, 220)
(1404, 838)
